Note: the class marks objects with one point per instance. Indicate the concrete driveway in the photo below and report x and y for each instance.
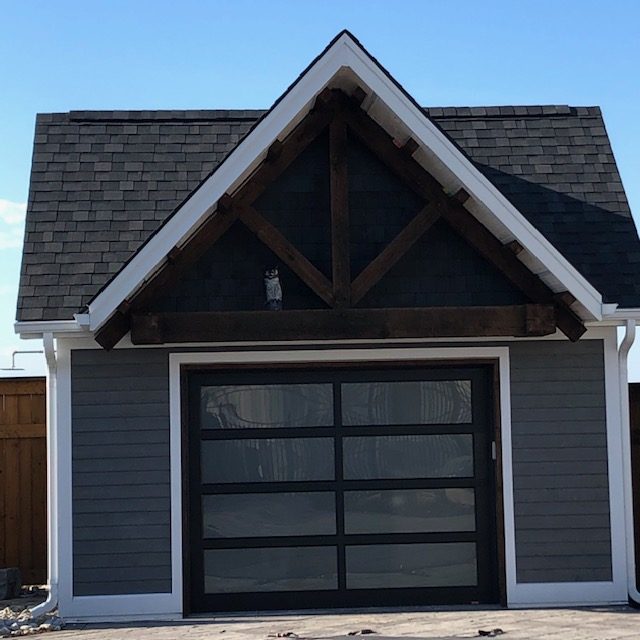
(610, 623)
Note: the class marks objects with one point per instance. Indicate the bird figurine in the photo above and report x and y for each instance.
(273, 289)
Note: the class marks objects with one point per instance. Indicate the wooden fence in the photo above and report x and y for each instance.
(634, 410)
(23, 477)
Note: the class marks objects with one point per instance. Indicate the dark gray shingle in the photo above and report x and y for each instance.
(102, 182)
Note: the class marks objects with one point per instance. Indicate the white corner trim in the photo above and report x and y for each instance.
(143, 606)
(567, 594)
(64, 485)
(344, 52)
(615, 463)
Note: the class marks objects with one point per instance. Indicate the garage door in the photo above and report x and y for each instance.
(340, 487)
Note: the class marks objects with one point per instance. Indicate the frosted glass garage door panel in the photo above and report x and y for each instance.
(247, 515)
(267, 460)
(273, 569)
(409, 511)
(408, 456)
(266, 406)
(378, 566)
(409, 402)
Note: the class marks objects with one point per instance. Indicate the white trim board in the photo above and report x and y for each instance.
(344, 60)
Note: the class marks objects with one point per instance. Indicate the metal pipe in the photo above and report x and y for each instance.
(13, 360)
(52, 480)
(623, 354)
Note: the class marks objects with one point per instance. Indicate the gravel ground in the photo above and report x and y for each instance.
(16, 619)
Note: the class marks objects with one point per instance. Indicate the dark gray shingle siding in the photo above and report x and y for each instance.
(121, 484)
(560, 469)
(102, 182)
(121, 532)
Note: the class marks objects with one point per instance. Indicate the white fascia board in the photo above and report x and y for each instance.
(478, 186)
(35, 329)
(625, 314)
(345, 52)
(614, 317)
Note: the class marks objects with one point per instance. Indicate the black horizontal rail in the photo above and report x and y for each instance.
(347, 485)
(261, 542)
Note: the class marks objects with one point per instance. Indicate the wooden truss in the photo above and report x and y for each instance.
(342, 114)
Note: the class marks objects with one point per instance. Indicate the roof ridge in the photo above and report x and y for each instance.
(518, 111)
(164, 115)
(250, 115)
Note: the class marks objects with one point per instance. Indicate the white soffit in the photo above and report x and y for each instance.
(345, 64)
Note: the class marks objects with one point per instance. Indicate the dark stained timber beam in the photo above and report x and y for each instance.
(112, 331)
(336, 324)
(178, 261)
(462, 221)
(274, 151)
(287, 252)
(208, 234)
(565, 297)
(392, 253)
(339, 189)
(515, 247)
(461, 196)
(410, 147)
(358, 96)
(539, 318)
(382, 145)
(278, 158)
(503, 258)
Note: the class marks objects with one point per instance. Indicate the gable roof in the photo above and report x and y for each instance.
(121, 174)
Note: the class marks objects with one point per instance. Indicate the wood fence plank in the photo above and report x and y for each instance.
(23, 529)
(12, 431)
(39, 408)
(22, 386)
(10, 409)
(12, 501)
(25, 404)
(39, 509)
(3, 494)
(25, 542)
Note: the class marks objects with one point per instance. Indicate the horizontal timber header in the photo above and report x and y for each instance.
(340, 324)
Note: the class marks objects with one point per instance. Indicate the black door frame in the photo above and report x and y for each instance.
(488, 533)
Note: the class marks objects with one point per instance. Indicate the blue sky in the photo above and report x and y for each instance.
(63, 55)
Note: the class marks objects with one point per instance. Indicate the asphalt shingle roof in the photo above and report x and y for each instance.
(103, 181)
